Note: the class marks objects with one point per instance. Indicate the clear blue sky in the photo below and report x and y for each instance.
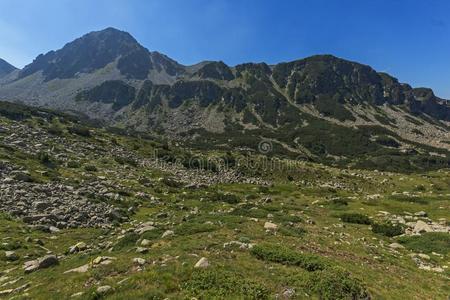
(410, 39)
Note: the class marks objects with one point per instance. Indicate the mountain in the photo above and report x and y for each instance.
(95, 51)
(6, 68)
(321, 108)
(53, 79)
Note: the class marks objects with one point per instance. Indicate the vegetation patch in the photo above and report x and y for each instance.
(409, 199)
(355, 218)
(221, 284)
(194, 228)
(428, 242)
(387, 229)
(285, 256)
(225, 197)
(127, 241)
(333, 284)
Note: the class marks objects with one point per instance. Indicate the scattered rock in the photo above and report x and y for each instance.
(167, 233)
(102, 290)
(421, 226)
(145, 243)
(141, 250)
(288, 293)
(139, 261)
(76, 295)
(202, 263)
(396, 246)
(82, 269)
(81, 246)
(11, 255)
(421, 214)
(41, 263)
(270, 226)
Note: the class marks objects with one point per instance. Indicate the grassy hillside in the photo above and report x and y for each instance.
(267, 226)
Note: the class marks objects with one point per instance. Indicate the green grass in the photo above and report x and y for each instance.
(219, 283)
(311, 252)
(438, 242)
(355, 218)
(387, 229)
(285, 256)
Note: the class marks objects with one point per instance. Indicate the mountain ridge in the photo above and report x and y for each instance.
(6, 68)
(108, 75)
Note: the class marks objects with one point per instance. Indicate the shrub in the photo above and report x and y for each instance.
(387, 229)
(334, 283)
(428, 242)
(128, 240)
(409, 199)
(44, 158)
(222, 284)
(80, 130)
(355, 218)
(171, 182)
(194, 228)
(55, 130)
(292, 231)
(337, 202)
(125, 160)
(287, 256)
(225, 197)
(388, 141)
(73, 164)
(90, 168)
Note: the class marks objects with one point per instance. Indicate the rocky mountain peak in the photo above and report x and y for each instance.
(6, 68)
(91, 52)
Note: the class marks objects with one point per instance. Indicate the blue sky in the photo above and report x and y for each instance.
(410, 39)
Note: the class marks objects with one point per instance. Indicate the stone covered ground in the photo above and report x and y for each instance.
(92, 214)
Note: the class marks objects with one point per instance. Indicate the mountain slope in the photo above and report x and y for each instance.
(321, 108)
(6, 68)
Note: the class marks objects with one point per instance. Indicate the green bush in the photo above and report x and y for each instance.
(44, 158)
(292, 231)
(409, 199)
(355, 218)
(225, 197)
(428, 242)
(194, 228)
(55, 130)
(128, 240)
(90, 168)
(285, 256)
(222, 284)
(126, 160)
(387, 229)
(79, 130)
(333, 284)
(338, 202)
(73, 164)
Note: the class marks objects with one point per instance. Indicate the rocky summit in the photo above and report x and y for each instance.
(127, 175)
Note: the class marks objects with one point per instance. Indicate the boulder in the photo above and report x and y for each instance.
(41, 263)
(11, 255)
(82, 269)
(421, 226)
(167, 233)
(270, 226)
(396, 246)
(202, 263)
(81, 246)
(139, 261)
(102, 290)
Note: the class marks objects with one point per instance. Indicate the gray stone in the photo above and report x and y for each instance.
(202, 263)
